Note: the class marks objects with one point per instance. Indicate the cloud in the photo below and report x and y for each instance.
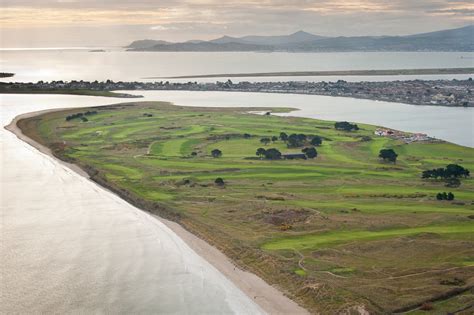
(163, 28)
(186, 19)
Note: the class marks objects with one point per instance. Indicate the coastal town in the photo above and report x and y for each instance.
(454, 93)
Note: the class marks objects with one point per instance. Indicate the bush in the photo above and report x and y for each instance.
(445, 196)
(216, 153)
(388, 155)
(219, 182)
(311, 153)
(272, 154)
(346, 126)
(316, 141)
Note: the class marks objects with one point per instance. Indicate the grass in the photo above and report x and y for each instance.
(342, 229)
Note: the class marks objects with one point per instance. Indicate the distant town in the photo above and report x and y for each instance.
(417, 92)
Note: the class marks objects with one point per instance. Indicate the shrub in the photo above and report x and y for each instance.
(346, 126)
(388, 155)
(311, 153)
(219, 182)
(272, 154)
(216, 153)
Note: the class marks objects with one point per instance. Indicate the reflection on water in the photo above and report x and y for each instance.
(119, 65)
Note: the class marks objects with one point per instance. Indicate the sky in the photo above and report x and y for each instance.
(66, 23)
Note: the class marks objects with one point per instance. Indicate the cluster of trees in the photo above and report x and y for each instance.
(275, 154)
(451, 171)
(300, 140)
(80, 115)
(346, 126)
(270, 154)
(445, 196)
(267, 140)
(388, 155)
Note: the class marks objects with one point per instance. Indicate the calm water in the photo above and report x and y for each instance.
(70, 246)
(76, 64)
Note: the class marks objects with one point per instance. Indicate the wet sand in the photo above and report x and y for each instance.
(70, 245)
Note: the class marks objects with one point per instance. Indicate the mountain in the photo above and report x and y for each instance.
(282, 40)
(146, 43)
(460, 39)
(206, 46)
(298, 37)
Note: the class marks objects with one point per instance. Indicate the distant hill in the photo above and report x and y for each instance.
(206, 46)
(146, 43)
(460, 39)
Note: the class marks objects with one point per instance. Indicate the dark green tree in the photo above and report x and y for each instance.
(388, 155)
(283, 136)
(450, 196)
(272, 154)
(219, 182)
(274, 138)
(260, 152)
(311, 152)
(216, 153)
(316, 141)
(265, 141)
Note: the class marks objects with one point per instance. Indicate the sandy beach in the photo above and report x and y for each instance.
(213, 285)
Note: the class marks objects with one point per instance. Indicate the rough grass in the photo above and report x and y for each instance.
(339, 231)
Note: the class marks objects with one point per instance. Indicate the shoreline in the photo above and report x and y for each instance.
(388, 72)
(269, 298)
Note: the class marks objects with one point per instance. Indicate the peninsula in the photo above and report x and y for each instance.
(342, 217)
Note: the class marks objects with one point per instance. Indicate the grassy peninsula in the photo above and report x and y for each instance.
(341, 231)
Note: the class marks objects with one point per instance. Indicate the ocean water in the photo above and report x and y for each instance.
(114, 64)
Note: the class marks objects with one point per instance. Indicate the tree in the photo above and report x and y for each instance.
(274, 138)
(216, 153)
(265, 140)
(316, 141)
(194, 153)
(439, 196)
(450, 196)
(454, 170)
(311, 152)
(219, 182)
(283, 136)
(272, 154)
(388, 155)
(296, 140)
(260, 152)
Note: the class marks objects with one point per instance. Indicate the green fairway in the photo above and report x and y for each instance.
(344, 228)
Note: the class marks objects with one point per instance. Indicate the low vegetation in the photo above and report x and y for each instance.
(328, 221)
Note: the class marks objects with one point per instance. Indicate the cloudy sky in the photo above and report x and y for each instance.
(27, 23)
